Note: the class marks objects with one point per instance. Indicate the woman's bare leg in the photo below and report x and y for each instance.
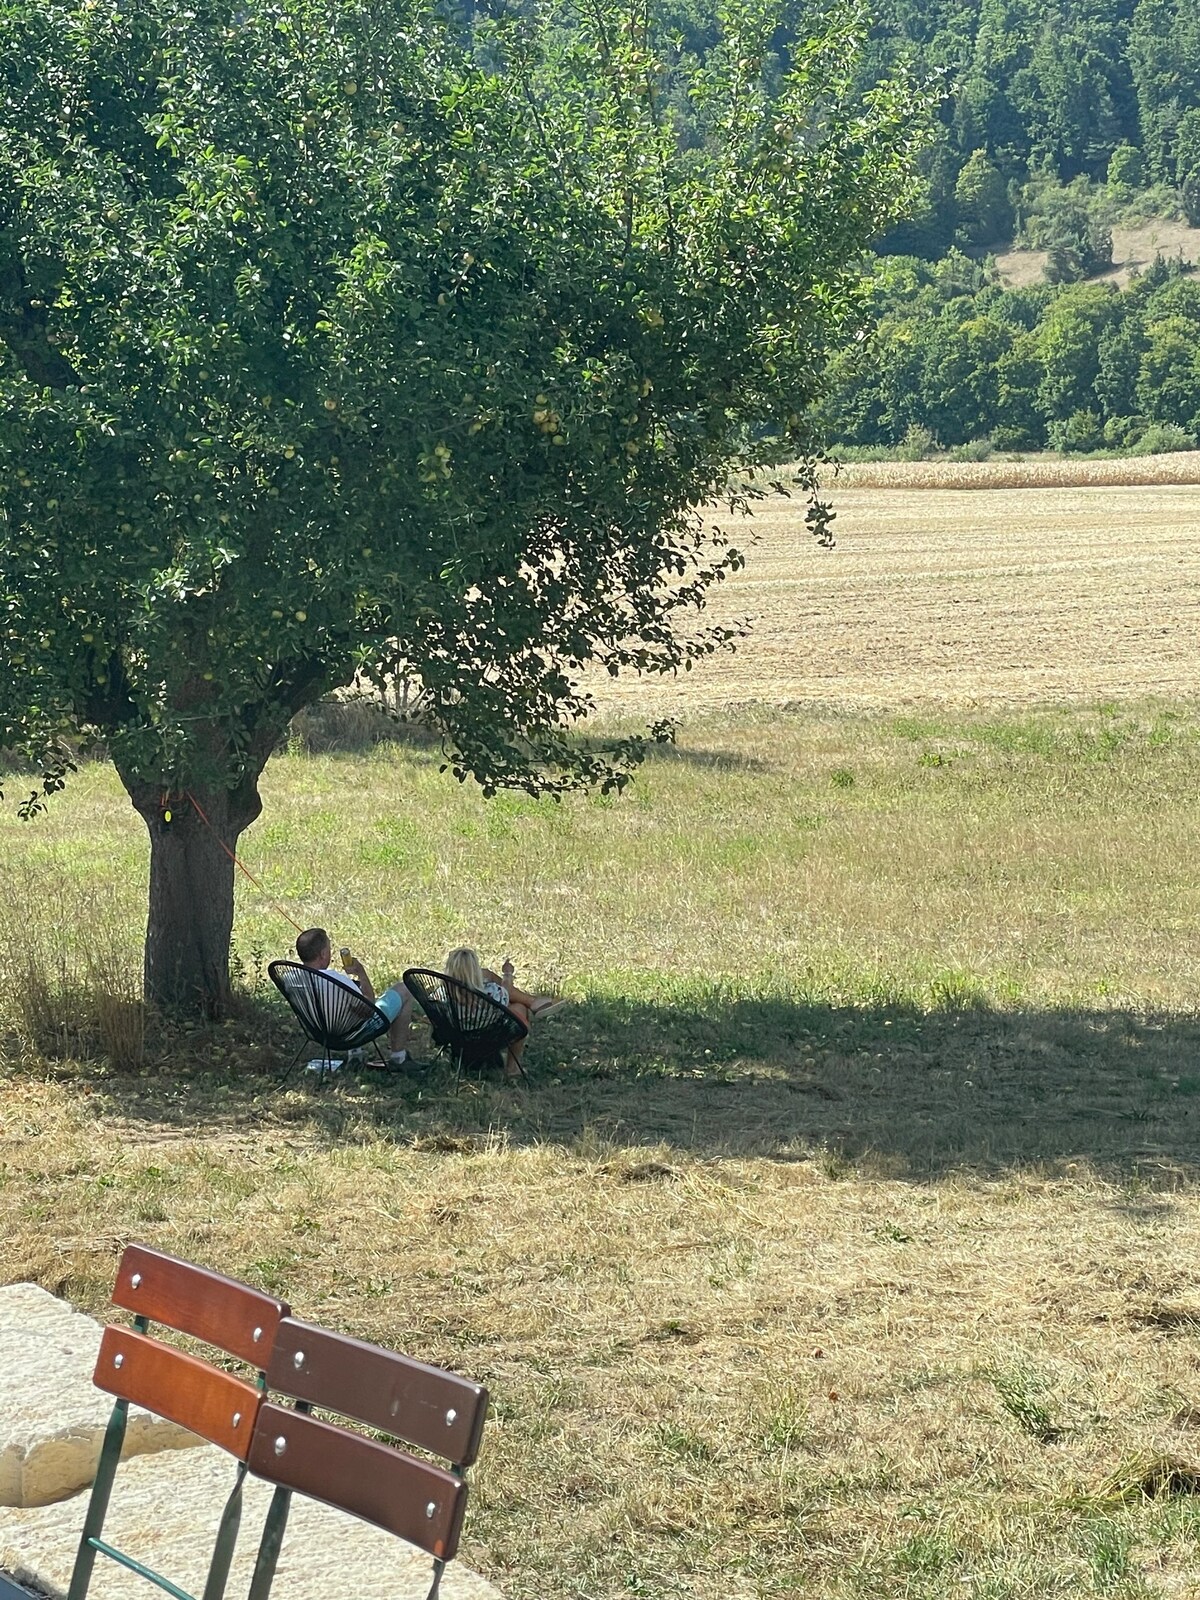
(512, 1061)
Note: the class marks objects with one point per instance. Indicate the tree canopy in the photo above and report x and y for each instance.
(351, 340)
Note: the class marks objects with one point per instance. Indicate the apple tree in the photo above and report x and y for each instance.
(347, 339)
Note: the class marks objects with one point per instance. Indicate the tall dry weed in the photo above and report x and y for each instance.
(70, 983)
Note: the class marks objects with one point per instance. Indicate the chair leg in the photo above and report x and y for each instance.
(291, 1066)
(93, 1524)
(227, 1532)
(270, 1544)
(326, 1067)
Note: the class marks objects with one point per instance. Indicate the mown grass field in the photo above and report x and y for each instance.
(962, 585)
(844, 1240)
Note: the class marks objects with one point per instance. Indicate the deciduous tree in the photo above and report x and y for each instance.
(337, 343)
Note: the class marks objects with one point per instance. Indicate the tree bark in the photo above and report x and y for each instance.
(190, 920)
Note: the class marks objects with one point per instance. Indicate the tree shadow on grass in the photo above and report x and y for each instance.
(910, 1093)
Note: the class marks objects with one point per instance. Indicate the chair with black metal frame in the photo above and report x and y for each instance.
(422, 1406)
(470, 1026)
(215, 1404)
(331, 1013)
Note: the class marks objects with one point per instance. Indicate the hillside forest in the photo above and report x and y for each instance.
(1055, 122)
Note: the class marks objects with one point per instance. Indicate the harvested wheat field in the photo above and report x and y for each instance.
(1004, 596)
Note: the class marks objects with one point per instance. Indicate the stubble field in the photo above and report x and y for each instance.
(958, 597)
(844, 1241)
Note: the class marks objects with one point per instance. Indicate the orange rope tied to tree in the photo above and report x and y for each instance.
(275, 906)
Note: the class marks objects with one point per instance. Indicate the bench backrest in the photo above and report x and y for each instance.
(423, 1406)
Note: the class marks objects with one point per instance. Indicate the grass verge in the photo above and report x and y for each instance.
(843, 1242)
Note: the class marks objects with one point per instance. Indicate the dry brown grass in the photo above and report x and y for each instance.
(710, 1376)
(1134, 248)
(844, 1242)
(72, 975)
(844, 1239)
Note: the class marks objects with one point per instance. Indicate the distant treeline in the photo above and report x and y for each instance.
(953, 357)
(1064, 89)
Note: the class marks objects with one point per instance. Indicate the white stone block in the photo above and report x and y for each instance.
(52, 1417)
(164, 1512)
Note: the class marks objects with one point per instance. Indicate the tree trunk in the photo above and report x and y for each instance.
(190, 920)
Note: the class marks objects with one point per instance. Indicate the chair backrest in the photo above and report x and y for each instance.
(423, 1406)
(457, 1012)
(328, 1010)
(216, 1405)
(220, 1311)
(220, 1407)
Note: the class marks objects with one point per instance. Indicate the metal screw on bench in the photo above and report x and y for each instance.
(136, 1281)
(431, 1509)
(118, 1361)
(298, 1358)
(450, 1416)
(280, 1445)
(237, 1417)
(257, 1335)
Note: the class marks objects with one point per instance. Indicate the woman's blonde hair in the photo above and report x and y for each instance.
(463, 965)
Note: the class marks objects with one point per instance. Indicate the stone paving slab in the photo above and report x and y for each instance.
(164, 1511)
(52, 1418)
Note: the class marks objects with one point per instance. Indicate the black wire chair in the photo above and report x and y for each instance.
(473, 1029)
(332, 1014)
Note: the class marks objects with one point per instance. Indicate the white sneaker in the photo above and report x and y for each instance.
(397, 1058)
(319, 1065)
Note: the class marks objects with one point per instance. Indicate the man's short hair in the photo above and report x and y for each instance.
(310, 943)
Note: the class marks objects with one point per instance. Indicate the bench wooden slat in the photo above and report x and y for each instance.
(425, 1406)
(214, 1404)
(194, 1300)
(413, 1499)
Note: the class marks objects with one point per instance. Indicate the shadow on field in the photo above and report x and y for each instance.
(908, 1093)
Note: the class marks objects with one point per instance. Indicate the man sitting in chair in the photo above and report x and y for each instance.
(315, 951)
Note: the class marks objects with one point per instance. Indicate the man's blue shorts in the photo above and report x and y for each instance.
(391, 1002)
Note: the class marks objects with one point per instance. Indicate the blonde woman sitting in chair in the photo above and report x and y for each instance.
(463, 965)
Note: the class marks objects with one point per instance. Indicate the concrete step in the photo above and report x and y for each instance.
(52, 1418)
(164, 1512)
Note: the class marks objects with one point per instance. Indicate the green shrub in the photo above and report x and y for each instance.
(1163, 438)
(1080, 432)
(1122, 433)
(974, 450)
(918, 444)
(1126, 169)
